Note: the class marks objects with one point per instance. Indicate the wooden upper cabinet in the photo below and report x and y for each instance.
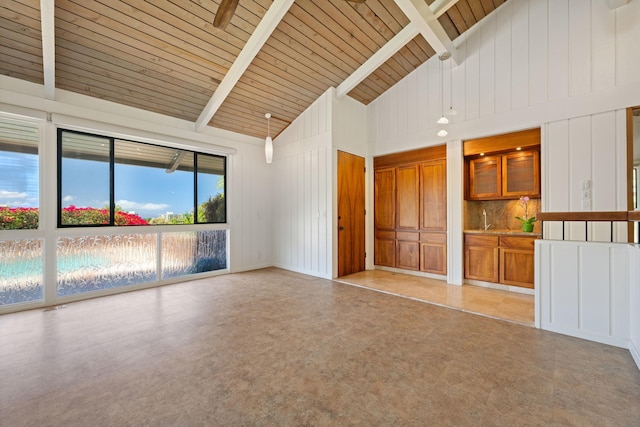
(385, 198)
(504, 176)
(521, 174)
(407, 197)
(485, 178)
(433, 185)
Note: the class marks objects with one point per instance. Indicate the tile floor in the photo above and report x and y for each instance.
(512, 306)
(275, 348)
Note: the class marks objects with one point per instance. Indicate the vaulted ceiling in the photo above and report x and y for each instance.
(274, 56)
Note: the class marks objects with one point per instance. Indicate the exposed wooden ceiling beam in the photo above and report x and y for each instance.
(47, 23)
(423, 17)
(377, 59)
(439, 7)
(264, 29)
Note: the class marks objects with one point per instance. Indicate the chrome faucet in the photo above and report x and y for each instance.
(486, 226)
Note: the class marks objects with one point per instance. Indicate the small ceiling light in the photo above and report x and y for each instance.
(482, 154)
(442, 120)
(268, 143)
(519, 148)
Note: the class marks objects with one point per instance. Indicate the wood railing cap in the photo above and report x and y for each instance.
(589, 216)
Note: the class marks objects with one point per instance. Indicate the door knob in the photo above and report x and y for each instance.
(341, 228)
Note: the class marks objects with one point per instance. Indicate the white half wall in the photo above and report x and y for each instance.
(634, 342)
(583, 290)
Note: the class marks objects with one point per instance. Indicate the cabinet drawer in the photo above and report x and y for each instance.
(407, 236)
(386, 235)
(433, 237)
(480, 240)
(513, 242)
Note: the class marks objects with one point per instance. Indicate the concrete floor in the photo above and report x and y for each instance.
(275, 348)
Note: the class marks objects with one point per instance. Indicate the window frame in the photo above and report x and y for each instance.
(112, 164)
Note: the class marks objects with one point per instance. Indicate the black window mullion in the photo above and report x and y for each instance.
(112, 187)
(59, 175)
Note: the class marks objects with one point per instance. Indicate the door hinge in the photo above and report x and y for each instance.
(365, 212)
(365, 254)
(365, 169)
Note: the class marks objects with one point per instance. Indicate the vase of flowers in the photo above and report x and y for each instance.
(527, 223)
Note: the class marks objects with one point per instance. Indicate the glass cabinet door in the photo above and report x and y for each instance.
(485, 177)
(521, 174)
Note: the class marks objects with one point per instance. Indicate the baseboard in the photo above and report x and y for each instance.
(586, 335)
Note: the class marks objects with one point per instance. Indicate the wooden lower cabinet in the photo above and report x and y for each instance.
(481, 257)
(412, 251)
(408, 255)
(508, 260)
(385, 248)
(433, 253)
(517, 261)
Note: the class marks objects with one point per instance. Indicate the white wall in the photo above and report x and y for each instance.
(349, 134)
(305, 183)
(302, 204)
(589, 148)
(528, 63)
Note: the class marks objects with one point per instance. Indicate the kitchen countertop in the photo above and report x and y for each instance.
(506, 232)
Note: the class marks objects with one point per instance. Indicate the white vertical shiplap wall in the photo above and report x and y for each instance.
(528, 63)
(301, 192)
(634, 341)
(249, 183)
(349, 134)
(455, 214)
(585, 149)
(583, 290)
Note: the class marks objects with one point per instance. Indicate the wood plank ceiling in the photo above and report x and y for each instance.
(165, 56)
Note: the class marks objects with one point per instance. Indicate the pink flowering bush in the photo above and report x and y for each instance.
(27, 218)
(18, 218)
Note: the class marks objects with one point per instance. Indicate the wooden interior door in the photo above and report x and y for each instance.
(351, 214)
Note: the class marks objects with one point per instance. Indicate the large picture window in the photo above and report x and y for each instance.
(110, 181)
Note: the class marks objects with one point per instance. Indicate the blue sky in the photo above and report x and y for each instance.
(18, 179)
(147, 191)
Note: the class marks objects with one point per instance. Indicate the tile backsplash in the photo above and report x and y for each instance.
(500, 213)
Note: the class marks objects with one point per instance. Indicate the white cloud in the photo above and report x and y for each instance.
(68, 198)
(137, 206)
(17, 199)
(12, 195)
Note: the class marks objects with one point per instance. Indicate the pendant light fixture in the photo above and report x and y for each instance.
(452, 111)
(442, 120)
(268, 143)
